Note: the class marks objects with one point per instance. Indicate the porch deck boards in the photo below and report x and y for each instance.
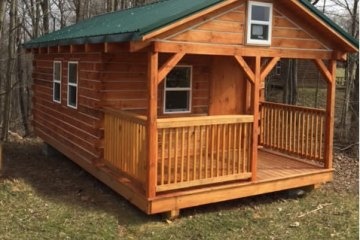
(270, 166)
(274, 166)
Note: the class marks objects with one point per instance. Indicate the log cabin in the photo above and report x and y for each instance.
(164, 103)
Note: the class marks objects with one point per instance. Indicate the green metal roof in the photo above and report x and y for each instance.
(125, 25)
(329, 22)
(131, 24)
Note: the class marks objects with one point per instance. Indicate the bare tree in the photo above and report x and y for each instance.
(2, 15)
(350, 110)
(45, 15)
(9, 71)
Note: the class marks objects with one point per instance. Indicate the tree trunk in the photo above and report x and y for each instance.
(2, 15)
(290, 87)
(354, 126)
(22, 94)
(9, 71)
(45, 10)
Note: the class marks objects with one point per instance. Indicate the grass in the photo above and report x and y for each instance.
(52, 198)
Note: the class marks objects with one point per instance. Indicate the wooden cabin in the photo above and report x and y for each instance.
(163, 103)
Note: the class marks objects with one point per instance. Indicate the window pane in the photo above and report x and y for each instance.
(72, 96)
(179, 77)
(177, 101)
(56, 91)
(73, 73)
(260, 13)
(57, 71)
(259, 32)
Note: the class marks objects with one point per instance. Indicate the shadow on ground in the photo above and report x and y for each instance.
(58, 179)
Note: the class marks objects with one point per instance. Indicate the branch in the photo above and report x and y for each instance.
(348, 147)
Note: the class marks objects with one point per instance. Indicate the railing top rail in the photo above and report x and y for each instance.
(300, 108)
(203, 121)
(141, 119)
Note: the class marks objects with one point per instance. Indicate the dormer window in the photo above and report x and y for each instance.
(259, 23)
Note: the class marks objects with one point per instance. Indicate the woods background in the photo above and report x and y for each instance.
(22, 20)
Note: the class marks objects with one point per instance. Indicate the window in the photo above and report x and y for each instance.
(72, 84)
(259, 23)
(177, 90)
(57, 82)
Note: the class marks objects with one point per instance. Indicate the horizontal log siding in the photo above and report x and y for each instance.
(230, 29)
(80, 129)
(200, 83)
(293, 130)
(225, 29)
(203, 150)
(125, 85)
(125, 82)
(125, 144)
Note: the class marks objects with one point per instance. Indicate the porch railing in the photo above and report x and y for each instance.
(293, 130)
(125, 143)
(202, 150)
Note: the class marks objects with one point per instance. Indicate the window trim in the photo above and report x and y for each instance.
(250, 22)
(73, 84)
(189, 89)
(57, 81)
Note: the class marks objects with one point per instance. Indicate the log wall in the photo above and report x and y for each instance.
(80, 128)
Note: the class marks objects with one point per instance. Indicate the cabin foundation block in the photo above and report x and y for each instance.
(173, 214)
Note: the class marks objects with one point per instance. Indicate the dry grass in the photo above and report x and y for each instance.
(52, 198)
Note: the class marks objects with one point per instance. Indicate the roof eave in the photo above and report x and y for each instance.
(110, 38)
(351, 42)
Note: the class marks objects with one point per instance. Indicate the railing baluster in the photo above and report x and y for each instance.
(212, 151)
(201, 153)
(195, 155)
(244, 141)
(188, 154)
(234, 150)
(207, 151)
(292, 129)
(176, 154)
(182, 153)
(241, 159)
(162, 156)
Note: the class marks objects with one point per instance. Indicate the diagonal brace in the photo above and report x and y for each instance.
(249, 73)
(169, 65)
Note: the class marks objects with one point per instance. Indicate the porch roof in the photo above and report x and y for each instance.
(134, 23)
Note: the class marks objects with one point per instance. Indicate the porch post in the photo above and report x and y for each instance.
(330, 112)
(152, 124)
(256, 101)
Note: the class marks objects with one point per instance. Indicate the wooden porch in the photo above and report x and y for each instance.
(213, 155)
(275, 172)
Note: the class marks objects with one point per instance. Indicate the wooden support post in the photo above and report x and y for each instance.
(256, 102)
(152, 145)
(330, 113)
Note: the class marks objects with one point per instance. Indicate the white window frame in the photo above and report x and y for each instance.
(73, 84)
(189, 89)
(249, 40)
(57, 81)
